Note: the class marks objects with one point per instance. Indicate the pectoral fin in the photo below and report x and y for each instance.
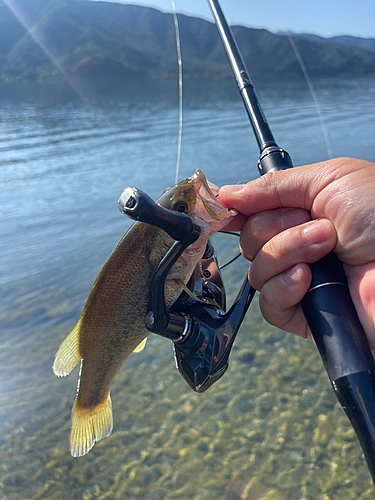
(90, 425)
(68, 356)
(141, 346)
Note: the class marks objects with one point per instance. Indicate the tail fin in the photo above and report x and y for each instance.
(90, 425)
(68, 356)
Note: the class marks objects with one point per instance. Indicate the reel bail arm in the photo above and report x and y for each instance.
(137, 205)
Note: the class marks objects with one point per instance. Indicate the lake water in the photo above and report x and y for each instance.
(271, 428)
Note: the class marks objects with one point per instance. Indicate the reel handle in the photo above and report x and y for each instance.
(137, 205)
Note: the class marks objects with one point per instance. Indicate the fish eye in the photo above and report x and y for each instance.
(180, 206)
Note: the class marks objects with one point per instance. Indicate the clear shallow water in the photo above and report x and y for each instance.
(271, 428)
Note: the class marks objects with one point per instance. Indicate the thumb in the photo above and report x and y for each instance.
(296, 187)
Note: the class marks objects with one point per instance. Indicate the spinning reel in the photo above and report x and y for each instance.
(201, 331)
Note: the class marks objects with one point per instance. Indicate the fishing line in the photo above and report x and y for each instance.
(229, 232)
(179, 59)
(234, 258)
(315, 99)
(230, 261)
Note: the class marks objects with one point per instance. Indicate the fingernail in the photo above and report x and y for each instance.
(234, 188)
(316, 231)
(291, 218)
(292, 276)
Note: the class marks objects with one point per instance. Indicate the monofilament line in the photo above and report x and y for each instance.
(179, 58)
(315, 99)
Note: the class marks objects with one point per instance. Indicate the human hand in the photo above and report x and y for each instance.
(294, 217)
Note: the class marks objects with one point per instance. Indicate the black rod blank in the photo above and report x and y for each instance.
(272, 156)
(258, 120)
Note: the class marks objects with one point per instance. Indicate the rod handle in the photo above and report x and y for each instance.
(327, 306)
(333, 321)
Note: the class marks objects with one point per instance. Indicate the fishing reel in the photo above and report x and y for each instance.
(201, 331)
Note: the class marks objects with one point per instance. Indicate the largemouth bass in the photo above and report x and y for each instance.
(111, 325)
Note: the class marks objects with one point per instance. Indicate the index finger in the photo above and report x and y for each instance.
(297, 187)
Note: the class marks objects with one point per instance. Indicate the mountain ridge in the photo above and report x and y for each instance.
(349, 40)
(102, 41)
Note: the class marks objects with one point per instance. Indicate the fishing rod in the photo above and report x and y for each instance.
(327, 305)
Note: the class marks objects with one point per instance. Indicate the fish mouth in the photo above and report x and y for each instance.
(208, 205)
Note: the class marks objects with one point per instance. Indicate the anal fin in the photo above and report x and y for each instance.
(141, 346)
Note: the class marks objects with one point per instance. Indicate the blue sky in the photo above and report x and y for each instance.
(322, 17)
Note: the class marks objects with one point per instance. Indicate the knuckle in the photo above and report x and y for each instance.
(254, 278)
(255, 227)
(269, 296)
(248, 255)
